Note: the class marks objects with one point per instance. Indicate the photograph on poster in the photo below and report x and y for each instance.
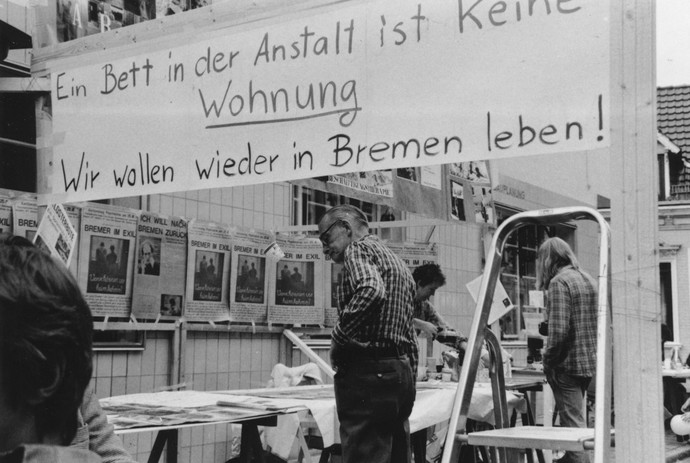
(295, 283)
(483, 210)
(474, 171)
(251, 271)
(62, 247)
(107, 265)
(171, 305)
(208, 268)
(148, 261)
(457, 200)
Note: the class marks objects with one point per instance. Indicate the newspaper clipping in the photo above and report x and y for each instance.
(25, 216)
(56, 234)
(415, 254)
(74, 216)
(208, 270)
(160, 270)
(297, 292)
(249, 281)
(106, 258)
(5, 213)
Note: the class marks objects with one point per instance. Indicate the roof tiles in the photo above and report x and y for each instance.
(673, 115)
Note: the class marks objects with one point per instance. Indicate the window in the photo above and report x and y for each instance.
(519, 268)
(310, 204)
(668, 290)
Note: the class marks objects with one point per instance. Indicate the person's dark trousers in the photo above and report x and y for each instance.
(569, 395)
(374, 398)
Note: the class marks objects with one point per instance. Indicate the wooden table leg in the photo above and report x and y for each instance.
(419, 446)
(251, 449)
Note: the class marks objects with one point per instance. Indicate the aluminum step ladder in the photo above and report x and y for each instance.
(507, 440)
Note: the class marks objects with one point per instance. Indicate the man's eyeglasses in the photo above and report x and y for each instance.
(324, 236)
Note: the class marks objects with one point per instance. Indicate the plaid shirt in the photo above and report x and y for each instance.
(375, 300)
(572, 341)
(424, 310)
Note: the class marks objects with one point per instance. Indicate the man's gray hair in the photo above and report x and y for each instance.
(347, 213)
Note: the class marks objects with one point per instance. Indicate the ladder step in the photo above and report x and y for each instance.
(535, 437)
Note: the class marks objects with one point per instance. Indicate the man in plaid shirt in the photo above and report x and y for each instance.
(570, 356)
(373, 347)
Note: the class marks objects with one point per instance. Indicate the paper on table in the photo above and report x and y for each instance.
(501, 303)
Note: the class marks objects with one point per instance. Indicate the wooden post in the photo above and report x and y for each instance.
(636, 309)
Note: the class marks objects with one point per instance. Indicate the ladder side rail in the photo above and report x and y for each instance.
(498, 392)
(468, 372)
(498, 385)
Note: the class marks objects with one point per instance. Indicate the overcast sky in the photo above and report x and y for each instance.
(673, 42)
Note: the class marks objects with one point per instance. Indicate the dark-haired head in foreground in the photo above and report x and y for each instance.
(45, 347)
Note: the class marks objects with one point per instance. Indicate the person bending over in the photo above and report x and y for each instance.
(373, 347)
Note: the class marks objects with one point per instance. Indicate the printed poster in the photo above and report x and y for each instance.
(106, 258)
(5, 213)
(457, 200)
(25, 216)
(470, 192)
(74, 216)
(208, 269)
(249, 281)
(431, 176)
(483, 203)
(500, 304)
(377, 182)
(296, 295)
(160, 270)
(56, 234)
(415, 254)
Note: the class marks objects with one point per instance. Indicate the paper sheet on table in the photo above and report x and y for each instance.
(179, 399)
(501, 303)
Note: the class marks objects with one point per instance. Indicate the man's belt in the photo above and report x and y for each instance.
(371, 353)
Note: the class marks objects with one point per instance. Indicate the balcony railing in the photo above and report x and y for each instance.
(679, 192)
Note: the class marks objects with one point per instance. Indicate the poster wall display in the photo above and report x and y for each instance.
(25, 216)
(297, 293)
(160, 272)
(309, 94)
(106, 258)
(56, 234)
(208, 271)
(249, 276)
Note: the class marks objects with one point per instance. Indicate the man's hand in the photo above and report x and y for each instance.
(427, 328)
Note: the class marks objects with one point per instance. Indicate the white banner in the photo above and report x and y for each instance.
(356, 86)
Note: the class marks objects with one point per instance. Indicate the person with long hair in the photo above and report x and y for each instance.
(570, 355)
